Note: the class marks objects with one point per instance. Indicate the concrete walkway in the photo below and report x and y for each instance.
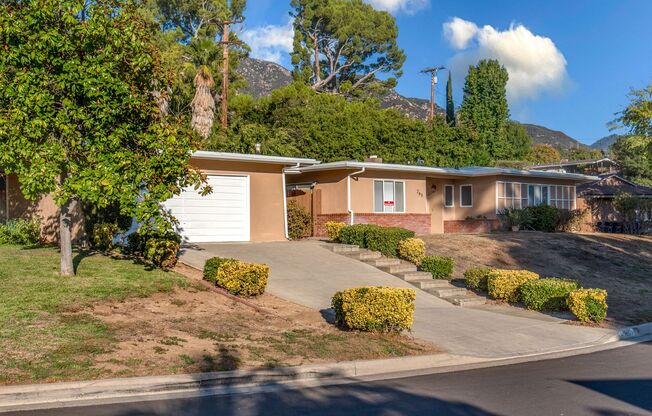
(307, 273)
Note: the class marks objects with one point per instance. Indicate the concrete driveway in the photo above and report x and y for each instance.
(307, 273)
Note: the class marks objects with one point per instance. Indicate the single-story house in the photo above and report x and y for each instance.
(426, 199)
(600, 166)
(597, 196)
(250, 195)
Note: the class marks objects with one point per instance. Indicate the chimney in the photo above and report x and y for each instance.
(374, 159)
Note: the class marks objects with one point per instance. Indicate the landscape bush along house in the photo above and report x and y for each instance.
(251, 194)
(547, 294)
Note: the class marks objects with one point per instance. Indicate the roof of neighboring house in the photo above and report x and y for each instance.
(561, 164)
(471, 171)
(610, 185)
(241, 157)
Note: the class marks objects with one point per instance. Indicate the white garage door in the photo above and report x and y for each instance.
(220, 216)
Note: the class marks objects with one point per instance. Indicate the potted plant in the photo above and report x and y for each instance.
(515, 218)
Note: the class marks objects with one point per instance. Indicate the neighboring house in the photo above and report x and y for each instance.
(249, 198)
(597, 196)
(587, 167)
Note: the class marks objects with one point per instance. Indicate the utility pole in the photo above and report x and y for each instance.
(225, 69)
(433, 84)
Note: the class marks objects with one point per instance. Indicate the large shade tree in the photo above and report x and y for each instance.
(78, 113)
(345, 46)
(637, 116)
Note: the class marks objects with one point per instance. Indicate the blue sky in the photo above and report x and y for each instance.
(571, 62)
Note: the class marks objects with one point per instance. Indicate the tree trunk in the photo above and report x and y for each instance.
(65, 239)
(317, 66)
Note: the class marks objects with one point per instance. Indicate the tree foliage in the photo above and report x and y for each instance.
(77, 114)
(484, 106)
(344, 46)
(450, 105)
(297, 121)
(189, 35)
(636, 164)
(544, 153)
(637, 116)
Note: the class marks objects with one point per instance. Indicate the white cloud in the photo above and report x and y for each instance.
(533, 62)
(394, 6)
(270, 42)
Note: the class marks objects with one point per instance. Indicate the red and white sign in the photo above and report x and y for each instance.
(389, 203)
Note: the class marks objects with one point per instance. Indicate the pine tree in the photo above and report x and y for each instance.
(450, 105)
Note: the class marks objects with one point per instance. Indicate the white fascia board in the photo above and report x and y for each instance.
(241, 157)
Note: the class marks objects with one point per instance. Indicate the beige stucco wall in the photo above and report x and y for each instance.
(331, 184)
(45, 209)
(266, 194)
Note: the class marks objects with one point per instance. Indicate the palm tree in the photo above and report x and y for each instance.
(203, 104)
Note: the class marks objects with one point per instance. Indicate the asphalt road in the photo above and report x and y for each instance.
(609, 383)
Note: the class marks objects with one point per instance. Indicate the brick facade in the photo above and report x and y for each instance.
(419, 223)
(471, 226)
(320, 220)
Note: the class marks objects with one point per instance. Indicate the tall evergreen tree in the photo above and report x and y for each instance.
(484, 107)
(343, 46)
(450, 105)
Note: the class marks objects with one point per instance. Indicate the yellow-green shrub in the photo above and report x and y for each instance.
(477, 278)
(384, 309)
(504, 284)
(412, 250)
(242, 279)
(103, 233)
(162, 252)
(211, 267)
(333, 229)
(441, 267)
(588, 305)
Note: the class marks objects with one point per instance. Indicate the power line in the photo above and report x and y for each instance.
(433, 83)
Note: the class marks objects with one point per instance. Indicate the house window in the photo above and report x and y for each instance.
(389, 196)
(449, 198)
(466, 195)
(520, 195)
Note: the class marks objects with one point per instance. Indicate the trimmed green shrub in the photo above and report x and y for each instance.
(333, 229)
(20, 231)
(588, 305)
(162, 252)
(477, 278)
(242, 279)
(412, 250)
(356, 234)
(550, 294)
(211, 267)
(439, 266)
(505, 284)
(386, 239)
(382, 309)
(542, 217)
(103, 233)
(299, 221)
(159, 247)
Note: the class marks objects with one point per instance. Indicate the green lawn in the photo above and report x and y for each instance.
(39, 340)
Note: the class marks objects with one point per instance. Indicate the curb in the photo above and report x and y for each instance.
(121, 390)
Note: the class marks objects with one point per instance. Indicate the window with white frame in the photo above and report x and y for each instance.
(466, 196)
(449, 196)
(389, 196)
(520, 195)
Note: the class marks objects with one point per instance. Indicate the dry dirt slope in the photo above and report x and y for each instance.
(622, 264)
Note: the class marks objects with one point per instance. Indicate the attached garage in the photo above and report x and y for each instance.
(222, 215)
(247, 202)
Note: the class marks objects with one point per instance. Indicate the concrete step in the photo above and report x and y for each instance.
(412, 276)
(363, 254)
(383, 261)
(398, 268)
(468, 300)
(431, 284)
(344, 248)
(447, 292)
